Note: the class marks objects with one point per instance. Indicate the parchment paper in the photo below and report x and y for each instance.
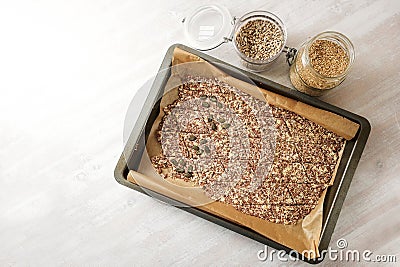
(303, 236)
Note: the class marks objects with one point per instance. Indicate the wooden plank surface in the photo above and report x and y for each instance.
(68, 71)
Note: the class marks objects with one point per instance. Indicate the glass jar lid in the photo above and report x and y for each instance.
(208, 26)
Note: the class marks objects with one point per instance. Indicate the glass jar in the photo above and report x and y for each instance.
(207, 27)
(249, 62)
(210, 26)
(307, 79)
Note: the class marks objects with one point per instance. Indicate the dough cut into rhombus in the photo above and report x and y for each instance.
(223, 140)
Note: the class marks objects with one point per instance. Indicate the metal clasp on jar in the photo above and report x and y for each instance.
(290, 54)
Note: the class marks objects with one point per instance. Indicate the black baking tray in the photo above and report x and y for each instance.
(336, 193)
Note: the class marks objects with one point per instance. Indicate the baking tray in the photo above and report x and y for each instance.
(335, 195)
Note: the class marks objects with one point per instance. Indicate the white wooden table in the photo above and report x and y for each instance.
(68, 70)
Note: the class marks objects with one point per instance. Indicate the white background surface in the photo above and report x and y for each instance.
(68, 70)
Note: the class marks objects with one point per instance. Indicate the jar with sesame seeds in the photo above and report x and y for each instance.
(259, 38)
(322, 63)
